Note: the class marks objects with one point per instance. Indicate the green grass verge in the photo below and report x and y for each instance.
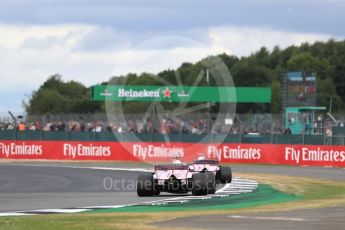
(264, 194)
(61, 222)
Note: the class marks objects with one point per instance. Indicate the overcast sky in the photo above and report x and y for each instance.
(91, 40)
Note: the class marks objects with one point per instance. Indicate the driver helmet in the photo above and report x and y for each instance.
(176, 161)
(201, 157)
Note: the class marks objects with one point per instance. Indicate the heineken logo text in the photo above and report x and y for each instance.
(138, 93)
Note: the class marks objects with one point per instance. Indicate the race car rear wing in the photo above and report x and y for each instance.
(171, 167)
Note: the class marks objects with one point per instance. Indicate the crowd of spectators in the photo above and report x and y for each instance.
(163, 126)
(6, 126)
(130, 126)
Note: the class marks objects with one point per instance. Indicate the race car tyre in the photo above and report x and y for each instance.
(211, 183)
(199, 184)
(225, 175)
(145, 185)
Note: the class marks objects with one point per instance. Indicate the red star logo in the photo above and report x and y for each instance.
(167, 93)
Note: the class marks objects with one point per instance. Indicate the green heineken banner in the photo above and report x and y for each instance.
(181, 94)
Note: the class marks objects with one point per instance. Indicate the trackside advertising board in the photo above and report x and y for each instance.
(311, 155)
(181, 94)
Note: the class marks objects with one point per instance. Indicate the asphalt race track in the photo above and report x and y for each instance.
(25, 187)
(59, 185)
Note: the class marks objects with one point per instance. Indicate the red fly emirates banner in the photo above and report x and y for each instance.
(312, 155)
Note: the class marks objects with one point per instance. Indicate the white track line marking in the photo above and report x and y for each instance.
(3, 214)
(104, 206)
(60, 210)
(269, 218)
(170, 202)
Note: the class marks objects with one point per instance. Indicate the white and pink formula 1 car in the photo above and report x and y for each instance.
(222, 174)
(175, 178)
